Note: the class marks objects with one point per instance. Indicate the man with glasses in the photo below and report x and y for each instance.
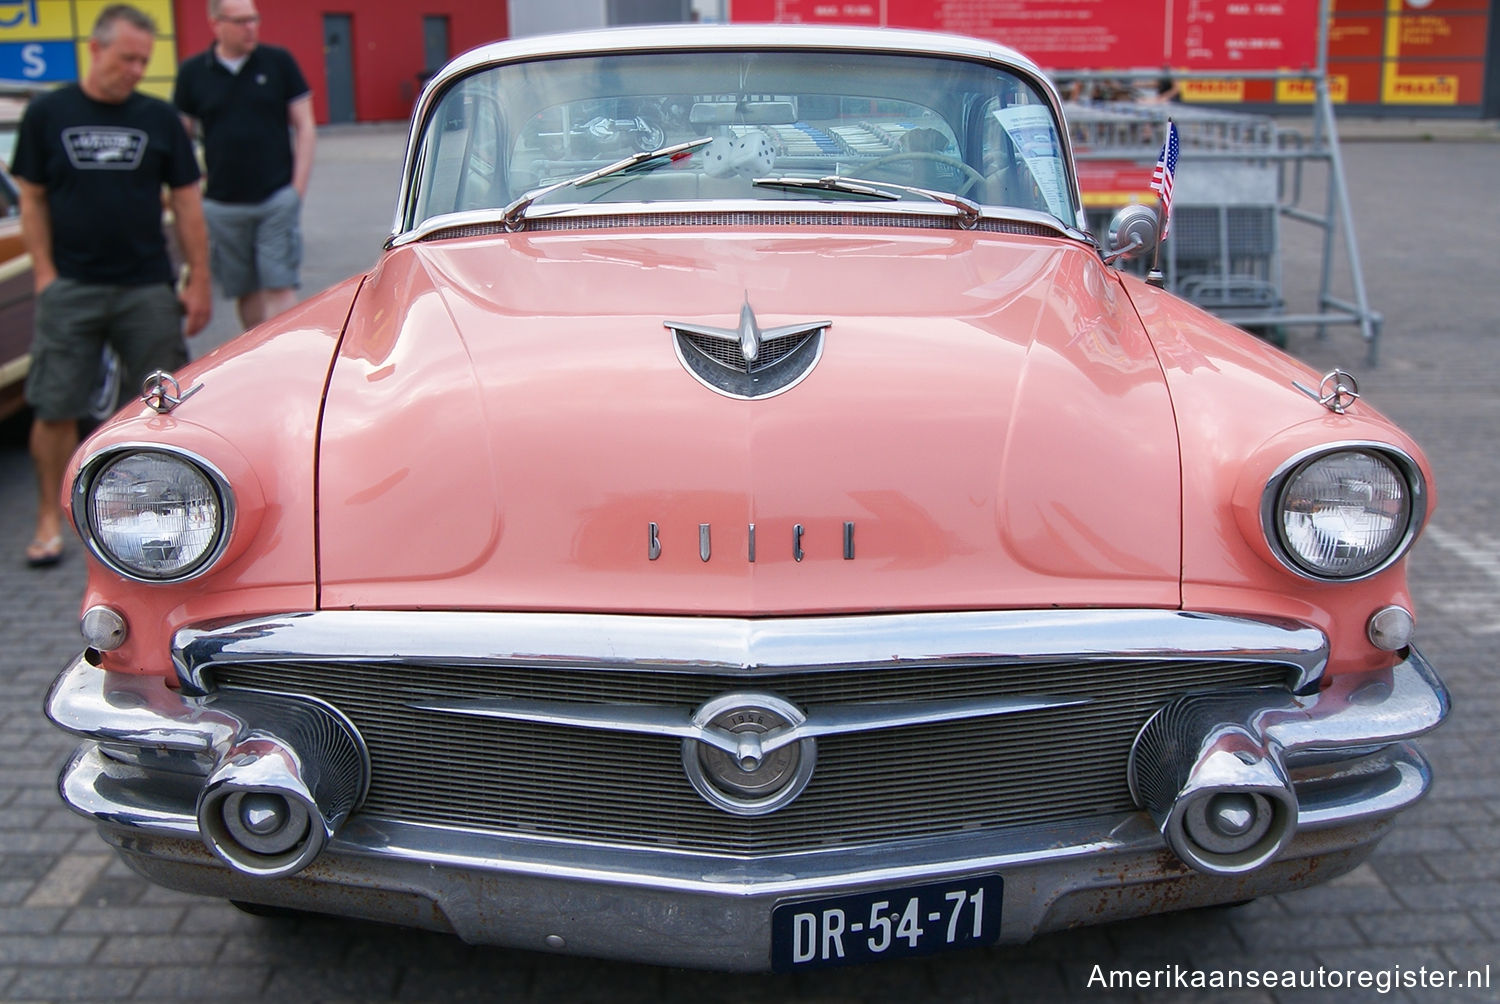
(256, 115)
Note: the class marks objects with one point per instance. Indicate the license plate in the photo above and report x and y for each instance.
(891, 924)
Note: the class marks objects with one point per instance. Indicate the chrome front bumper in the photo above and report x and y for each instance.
(143, 770)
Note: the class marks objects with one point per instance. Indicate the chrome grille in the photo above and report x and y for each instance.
(511, 777)
(728, 353)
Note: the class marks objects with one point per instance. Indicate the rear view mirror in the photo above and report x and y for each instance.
(777, 111)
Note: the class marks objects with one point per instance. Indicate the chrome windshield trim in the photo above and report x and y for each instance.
(496, 217)
(747, 646)
(687, 37)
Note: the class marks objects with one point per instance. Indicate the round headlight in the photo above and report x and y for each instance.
(153, 515)
(1344, 514)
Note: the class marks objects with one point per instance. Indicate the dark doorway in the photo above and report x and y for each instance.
(649, 11)
(338, 64)
(434, 43)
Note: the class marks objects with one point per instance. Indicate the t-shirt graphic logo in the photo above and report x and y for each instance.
(104, 148)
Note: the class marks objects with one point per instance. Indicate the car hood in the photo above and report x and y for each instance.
(508, 426)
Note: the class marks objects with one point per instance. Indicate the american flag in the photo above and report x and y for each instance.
(1161, 178)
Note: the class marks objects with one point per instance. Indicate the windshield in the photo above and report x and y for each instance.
(968, 129)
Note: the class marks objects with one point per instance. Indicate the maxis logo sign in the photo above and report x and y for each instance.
(37, 40)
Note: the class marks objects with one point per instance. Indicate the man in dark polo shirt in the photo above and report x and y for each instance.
(91, 162)
(256, 114)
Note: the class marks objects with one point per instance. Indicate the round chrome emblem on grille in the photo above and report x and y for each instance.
(740, 761)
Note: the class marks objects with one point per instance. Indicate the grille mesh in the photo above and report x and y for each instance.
(729, 355)
(509, 777)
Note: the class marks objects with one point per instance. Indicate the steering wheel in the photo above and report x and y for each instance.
(973, 177)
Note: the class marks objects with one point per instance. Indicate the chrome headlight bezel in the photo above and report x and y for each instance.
(1271, 506)
(83, 505)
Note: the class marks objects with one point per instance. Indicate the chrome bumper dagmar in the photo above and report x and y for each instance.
(271, 797)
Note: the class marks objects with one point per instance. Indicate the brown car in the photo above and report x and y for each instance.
(15, 301)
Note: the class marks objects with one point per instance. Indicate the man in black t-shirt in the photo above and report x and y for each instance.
(91, 160)
(256, 114)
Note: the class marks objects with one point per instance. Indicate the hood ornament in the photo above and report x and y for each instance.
(162, 394)
(749, 334)
(746, 361)
(1337, 392)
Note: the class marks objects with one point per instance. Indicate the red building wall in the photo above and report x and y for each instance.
(388, 58)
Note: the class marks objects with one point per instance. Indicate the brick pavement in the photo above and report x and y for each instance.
(76, 924)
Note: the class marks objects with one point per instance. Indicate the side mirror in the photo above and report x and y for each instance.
(1132, 231)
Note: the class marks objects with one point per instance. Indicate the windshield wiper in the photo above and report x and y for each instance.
(968, 210)
(831, 183)
(515, 213)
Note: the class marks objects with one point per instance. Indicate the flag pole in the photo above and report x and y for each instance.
(1161, 182)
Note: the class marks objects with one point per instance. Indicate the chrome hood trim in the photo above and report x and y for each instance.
(748, 646)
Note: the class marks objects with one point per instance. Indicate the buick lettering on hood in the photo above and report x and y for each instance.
(744, 520)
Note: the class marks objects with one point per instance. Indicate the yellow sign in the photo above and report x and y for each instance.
(1216, 91)
(35, 20)
(1399, 89)
(159, 11)
(1305, 92)
(46, 41)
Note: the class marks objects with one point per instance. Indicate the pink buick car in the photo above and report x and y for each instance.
(745, 521)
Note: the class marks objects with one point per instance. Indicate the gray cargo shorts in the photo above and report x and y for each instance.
(255, 246)
(75, 320)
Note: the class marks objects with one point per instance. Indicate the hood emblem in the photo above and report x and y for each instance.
(748, 756)
(745, 361)
(1337, 392)
(705, 541)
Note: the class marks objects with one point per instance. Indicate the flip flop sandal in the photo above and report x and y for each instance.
(42, 553)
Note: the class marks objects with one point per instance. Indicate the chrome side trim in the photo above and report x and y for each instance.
(661, 720)
(1361, 709)
(127, 796)
(132, 710)
(138, 719)
(1355, 710)
(744, 645)
(1354, 793)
